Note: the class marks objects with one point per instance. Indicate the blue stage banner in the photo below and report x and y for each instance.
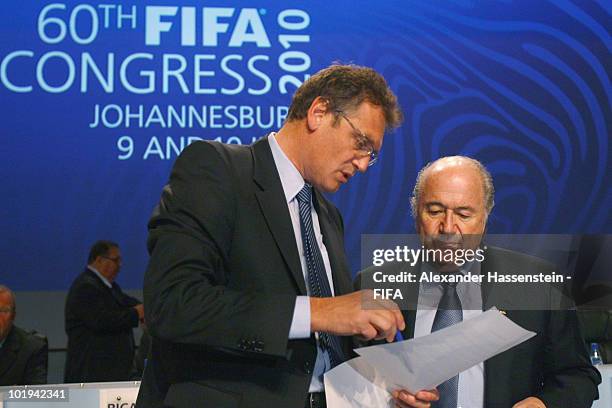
(98, 98)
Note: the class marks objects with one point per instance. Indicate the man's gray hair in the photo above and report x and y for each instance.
(10, 292)
(487, 183)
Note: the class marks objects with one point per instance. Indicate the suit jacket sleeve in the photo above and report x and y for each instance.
(129, 300)
(88, 303)
(187, 293)
(570, 380)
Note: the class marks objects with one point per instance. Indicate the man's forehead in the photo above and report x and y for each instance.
(453, 181)
(452, 200)
(453, 190)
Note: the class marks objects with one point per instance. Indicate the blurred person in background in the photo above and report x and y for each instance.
(23, 355)
(99, 320)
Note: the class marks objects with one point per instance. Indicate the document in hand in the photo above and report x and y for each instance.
(421, 363)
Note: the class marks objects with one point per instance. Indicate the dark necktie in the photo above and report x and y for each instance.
(449, 313)
(317, 278)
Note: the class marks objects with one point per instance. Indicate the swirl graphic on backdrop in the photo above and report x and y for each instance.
(525, 91)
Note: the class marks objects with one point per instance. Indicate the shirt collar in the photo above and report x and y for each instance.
(2, 342)
(104, 280)
(290, 177)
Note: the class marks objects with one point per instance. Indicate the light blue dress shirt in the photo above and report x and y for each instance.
(292, 182)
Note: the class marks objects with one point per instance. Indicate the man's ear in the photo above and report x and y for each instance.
(316, 113)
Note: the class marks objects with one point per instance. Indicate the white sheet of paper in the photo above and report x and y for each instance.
(354, 385)
(421, 363)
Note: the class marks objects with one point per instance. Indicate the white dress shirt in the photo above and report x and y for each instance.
(293, 182)
(104, 280)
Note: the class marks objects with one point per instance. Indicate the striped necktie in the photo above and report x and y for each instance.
(317, 278)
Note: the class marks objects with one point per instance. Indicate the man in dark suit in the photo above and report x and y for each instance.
(452, 199)
(99, 320)
(23, 355)
(247, 287)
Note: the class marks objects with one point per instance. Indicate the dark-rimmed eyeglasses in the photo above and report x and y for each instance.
(363, 143)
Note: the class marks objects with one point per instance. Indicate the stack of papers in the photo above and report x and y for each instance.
(420, 364)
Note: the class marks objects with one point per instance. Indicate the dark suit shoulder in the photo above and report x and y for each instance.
(27, 341)
(86, 278)
(212, 152)
(199, 157)
(524, 263)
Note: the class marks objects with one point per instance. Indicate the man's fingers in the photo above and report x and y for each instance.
(397, 313)
(410, 400)
(385, 304)
(369, 332)
(428, 395)
(384, 322)
(399, 320)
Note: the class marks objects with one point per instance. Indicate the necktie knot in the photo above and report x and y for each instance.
(449, 286)
(305, 194)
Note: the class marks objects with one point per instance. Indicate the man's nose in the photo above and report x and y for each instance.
(361, 163)
(448, 226)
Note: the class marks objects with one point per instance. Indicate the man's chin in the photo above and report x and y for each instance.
(331, 187)
(447, 267)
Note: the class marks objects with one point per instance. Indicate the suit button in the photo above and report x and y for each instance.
(307, 367)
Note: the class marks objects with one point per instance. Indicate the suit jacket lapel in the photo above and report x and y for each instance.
(102, 285)
(490, 365)
(8, 352)
(272, 203)
(335, 249)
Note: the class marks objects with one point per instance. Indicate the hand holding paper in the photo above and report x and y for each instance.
(421, 363)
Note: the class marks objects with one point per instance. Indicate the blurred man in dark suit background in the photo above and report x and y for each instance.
(23, 355)
(99, 320)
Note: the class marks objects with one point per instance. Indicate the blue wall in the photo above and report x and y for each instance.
(522, 86)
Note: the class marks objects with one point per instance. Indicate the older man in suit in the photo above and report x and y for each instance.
(247, 289)
(452, 199)
(23, 355)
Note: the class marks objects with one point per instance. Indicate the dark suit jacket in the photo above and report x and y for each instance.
(99, 322)
(222, 282)
(23, 358)
(553, 365)
(596, 327)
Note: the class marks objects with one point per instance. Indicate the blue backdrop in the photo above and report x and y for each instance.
(97, 99)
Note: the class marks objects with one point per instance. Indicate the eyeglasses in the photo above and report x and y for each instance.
(115, 260)
(363, 143)
(6, 310)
